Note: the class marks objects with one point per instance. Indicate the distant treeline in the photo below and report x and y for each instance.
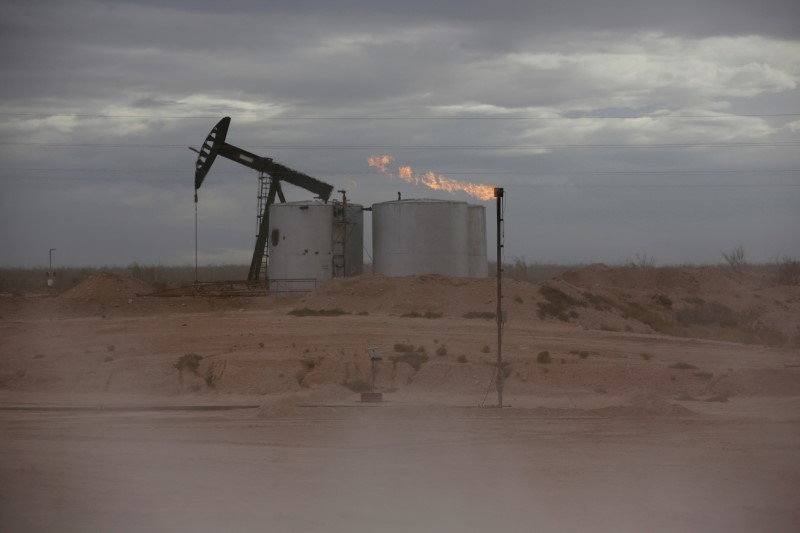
(34, 280)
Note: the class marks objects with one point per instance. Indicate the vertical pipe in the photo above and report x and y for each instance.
(344, 233)
(498, 193)
(195, 236)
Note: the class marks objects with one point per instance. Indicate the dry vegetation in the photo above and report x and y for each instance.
(784, 271)
(33, 280)
(431, 329)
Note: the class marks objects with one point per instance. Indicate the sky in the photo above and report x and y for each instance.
(618, 128)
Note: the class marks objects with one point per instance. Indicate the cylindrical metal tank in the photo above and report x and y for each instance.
(411, 237)
(476, 241)
(311, 242)
(300, 245)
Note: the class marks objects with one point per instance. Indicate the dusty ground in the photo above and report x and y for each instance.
(627, 428)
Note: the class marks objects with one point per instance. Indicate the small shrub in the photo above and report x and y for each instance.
(543, 358)
(705, 376)
(462, 359)
(441, 350)
(479, 314)
(426, 314)
(683, 366)
(214, 373)
(403, 348)
(662, 300)
(645, 356)
(642, 261)
(189, 361)
(486, 349)
(708, 314)
(654, 320)
(735, 259)
(332, 312)
(788, 271)
(558, 305)
(317, 312)
(421, 349)
(518, 299)
(583, 354)
(308, 364)
(598, 302)
(111, 347)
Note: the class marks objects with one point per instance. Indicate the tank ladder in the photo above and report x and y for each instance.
(339, 240)
(263, 193)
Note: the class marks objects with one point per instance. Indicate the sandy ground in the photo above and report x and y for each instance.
(625, 429)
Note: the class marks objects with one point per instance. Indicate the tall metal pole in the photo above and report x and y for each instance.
(344, 232)
(195, 236)
(50, 274)
(498, 194)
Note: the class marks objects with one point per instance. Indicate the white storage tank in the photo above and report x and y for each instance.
(300, 245)
(411, 237)
(309, 241)
(476, 241)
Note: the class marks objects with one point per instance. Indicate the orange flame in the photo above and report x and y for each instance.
(432, 180)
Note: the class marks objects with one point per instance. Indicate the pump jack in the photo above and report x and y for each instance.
(215, 145)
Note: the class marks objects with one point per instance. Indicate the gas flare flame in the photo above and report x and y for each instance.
(437, 182)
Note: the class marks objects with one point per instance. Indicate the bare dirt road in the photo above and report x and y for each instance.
(620, 428)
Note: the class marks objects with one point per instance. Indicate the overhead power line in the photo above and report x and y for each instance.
(445, 171)
(188, 182)
(425, 147)
(289, 118)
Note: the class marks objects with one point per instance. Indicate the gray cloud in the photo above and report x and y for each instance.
(99, 101)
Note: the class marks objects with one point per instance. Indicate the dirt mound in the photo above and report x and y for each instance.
(427, 293)
(700, 302)
(683, 279)
(107, 286)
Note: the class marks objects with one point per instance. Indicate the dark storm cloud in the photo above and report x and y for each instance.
(682, 17)
(151, 78)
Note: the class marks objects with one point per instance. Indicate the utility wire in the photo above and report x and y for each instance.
(428, 147)
(273, 118)
(446, 172)
(100, 179)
